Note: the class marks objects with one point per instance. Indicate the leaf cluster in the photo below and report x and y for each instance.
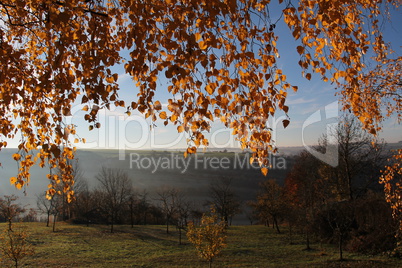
(209, 238)
(219, 58)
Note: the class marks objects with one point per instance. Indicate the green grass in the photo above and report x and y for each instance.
(150, 246)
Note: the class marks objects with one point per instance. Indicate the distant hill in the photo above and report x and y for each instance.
(151, 170)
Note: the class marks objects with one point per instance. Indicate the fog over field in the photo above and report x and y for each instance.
(151, 170)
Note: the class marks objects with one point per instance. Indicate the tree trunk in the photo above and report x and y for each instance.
(144, 218)
(111, 224)
(132, 219)
(275, 224)
(54, 223)
(340, 247)
(48, 219)
(63, 205)
(290, 234)
(308, 240)
(179, 236)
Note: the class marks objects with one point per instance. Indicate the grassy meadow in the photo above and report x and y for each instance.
(150, 246)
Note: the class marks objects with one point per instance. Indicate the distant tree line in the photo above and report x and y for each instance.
(344, 204)
(115, 200)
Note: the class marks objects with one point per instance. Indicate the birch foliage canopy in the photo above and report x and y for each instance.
(218, 56)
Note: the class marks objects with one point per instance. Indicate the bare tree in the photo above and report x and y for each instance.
(57, 201)
(223, 198)
(169, 199)
(45, 206)
(183, 213)
(360, 159)
(143, 207)
(83, 204)
(270, 201)
(341, 217)
(51, 206)
(31, 216)
(305, 193)
(9, 209)
(132, 203)
(117, 189)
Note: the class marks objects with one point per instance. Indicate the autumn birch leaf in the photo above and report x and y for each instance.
(285, 123)
(264, 171)
(163, 115)
(390, 178)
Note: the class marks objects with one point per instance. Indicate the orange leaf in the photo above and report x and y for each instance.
(163, 115)
(209, 89)
(203, 45)
(157, 105)
(300, 49)
(13, 180)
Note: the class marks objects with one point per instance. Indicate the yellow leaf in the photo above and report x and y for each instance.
(180, 129)
(110, 79)
(264, 171)
(209, 89)
(13, 180)
(157, 105)
(163, 115)
(203, 45)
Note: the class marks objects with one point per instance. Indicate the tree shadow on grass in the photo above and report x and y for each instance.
(356, 263)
